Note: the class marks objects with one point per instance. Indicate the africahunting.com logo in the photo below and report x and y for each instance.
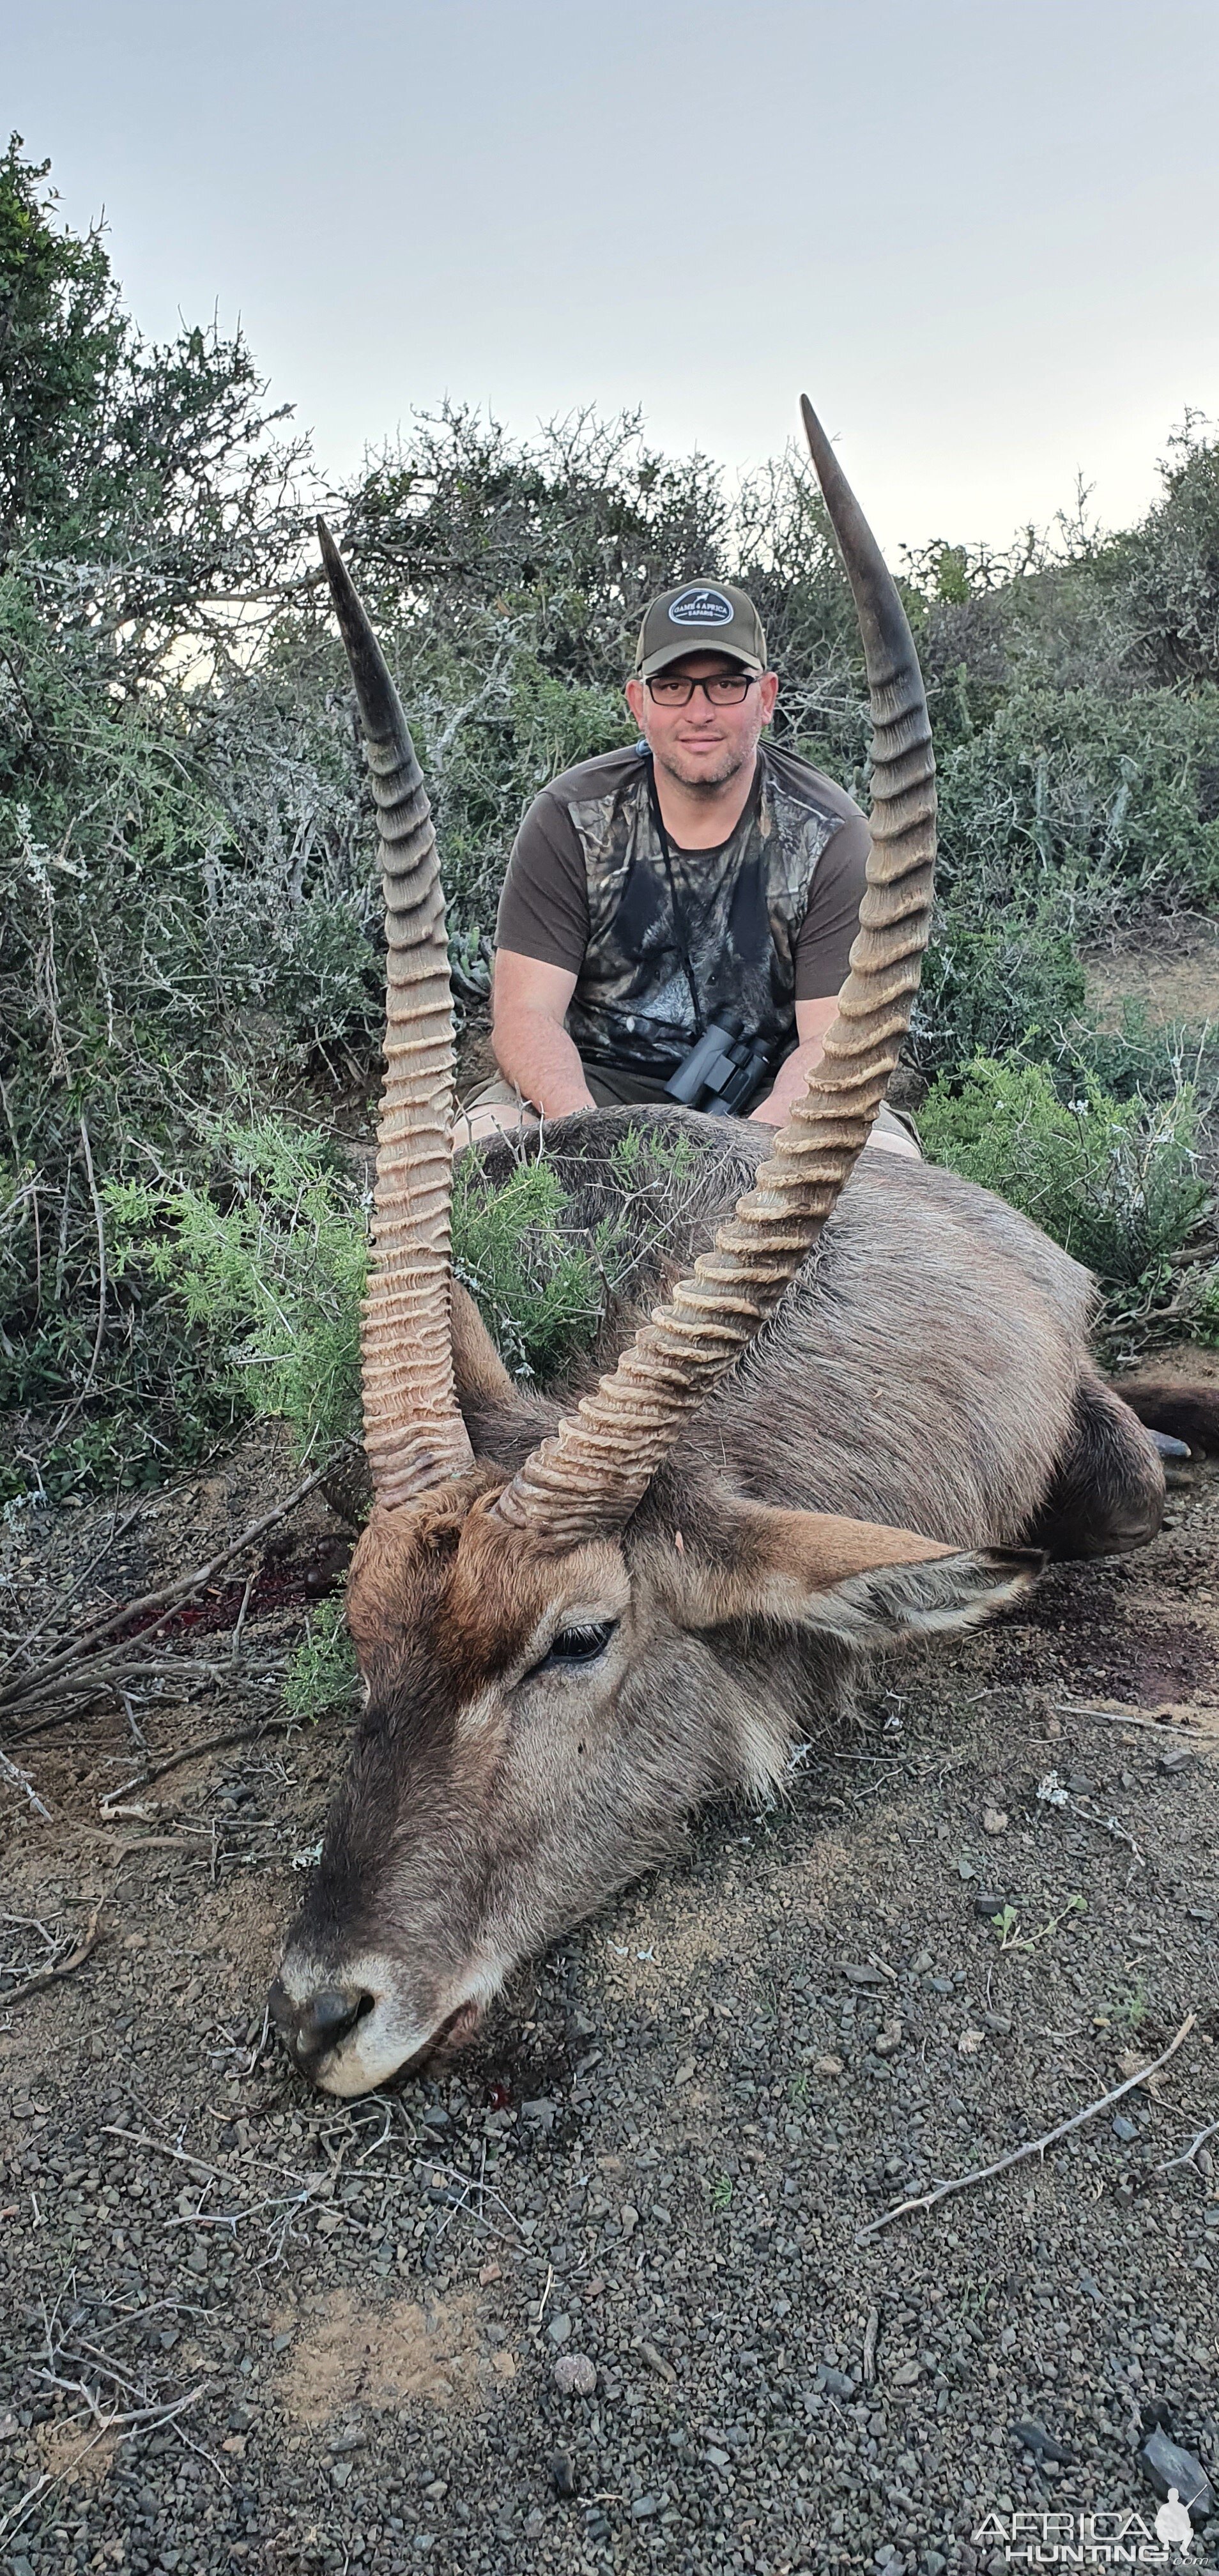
(1087, 2539)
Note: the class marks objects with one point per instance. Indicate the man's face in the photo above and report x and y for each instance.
(703, 745)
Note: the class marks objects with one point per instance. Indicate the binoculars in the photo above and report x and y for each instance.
(723, 1071)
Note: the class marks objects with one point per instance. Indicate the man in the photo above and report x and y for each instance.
(653, 890)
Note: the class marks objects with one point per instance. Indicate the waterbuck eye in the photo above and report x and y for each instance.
(577, 1645)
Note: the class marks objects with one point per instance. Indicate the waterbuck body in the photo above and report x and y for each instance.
(498, 1793)
(850, 1405)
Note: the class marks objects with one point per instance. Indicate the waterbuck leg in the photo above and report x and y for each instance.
(1183, 1408)
(1108, 1492)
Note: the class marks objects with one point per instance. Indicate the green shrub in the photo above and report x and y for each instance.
(1115, 1182)
(988, 990)
(266, 1264)
(321, 1670)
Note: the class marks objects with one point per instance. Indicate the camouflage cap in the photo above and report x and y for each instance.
(700, 617)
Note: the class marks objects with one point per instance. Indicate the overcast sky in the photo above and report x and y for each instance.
(983, 234)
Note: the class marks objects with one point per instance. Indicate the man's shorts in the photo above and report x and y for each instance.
(613, 1087)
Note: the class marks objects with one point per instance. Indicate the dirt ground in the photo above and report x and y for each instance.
(597, 2295)
(1173, 972)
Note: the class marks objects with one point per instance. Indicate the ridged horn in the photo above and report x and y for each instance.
(588, 1478)
(413, 1431)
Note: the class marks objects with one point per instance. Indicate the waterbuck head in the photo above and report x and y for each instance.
(555, 1670)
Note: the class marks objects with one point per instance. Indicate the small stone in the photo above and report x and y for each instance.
(9, 2428)
(988, 1902)
(535, 2523)
(864, 1976)
(965, 1867)
(1173, 1761)
(656, 2361)
(919, 1967)
(574, 2375)
(643, 2508)
(889, 2040)
(994, 1821)
(829, 2066)
(563, 2473)
(559, 2331)
(998, 2021)
(1124, 2129)
(836, 2382)
(970, 2042)
(628, 2218)
(906, 2376)
(196, 2260)
(684, 2072)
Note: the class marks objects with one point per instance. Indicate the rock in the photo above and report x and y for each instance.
(559, 2331)
(970, 2042)
(563, 2473)
(920, 1966)
(656, 2361)
(535, 2523)
(988, 1902)
(628, 2218)
(1166, 2465)
(994, 1821)
(1035, 2438)
(889, 2040)
(906, 2376)
(864, 1976)
(829, 2066)
(575, 2375)
(965, 1867)
(539, 2114)
(1080, 1783)
(1168, 1764)
(684, 2072)
(836, 2382)
(1124, 2129)
(643, 2508)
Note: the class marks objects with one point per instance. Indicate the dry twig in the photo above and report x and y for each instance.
(51, 1976)
(92, 1662)
(1032, 2146)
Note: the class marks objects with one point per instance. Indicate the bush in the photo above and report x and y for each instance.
(1115, 1182)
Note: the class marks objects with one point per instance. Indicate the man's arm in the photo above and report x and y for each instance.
(813, 1020)
(532, 1047)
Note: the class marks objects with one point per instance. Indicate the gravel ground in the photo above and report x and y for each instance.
(594, 2295)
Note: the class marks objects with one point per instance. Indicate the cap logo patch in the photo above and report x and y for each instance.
(700, 607)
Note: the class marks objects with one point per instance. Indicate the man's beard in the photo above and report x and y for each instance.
(707, 782)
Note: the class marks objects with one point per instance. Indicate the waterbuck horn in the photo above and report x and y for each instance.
(590, 1475)
(413, 1431)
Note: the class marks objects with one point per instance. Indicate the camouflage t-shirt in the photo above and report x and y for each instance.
(768, 916)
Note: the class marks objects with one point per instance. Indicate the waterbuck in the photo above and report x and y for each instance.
(576, 1616)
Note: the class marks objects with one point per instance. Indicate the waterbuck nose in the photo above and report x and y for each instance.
(309, 2029)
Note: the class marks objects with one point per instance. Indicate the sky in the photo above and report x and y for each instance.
(983, 235)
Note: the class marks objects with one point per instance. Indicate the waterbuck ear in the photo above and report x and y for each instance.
(478, 1371)
(851, 1579)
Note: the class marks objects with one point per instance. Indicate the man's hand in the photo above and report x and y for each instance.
(813, 1020)
(532, 1047)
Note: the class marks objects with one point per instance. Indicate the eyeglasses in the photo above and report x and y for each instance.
(723, 689)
